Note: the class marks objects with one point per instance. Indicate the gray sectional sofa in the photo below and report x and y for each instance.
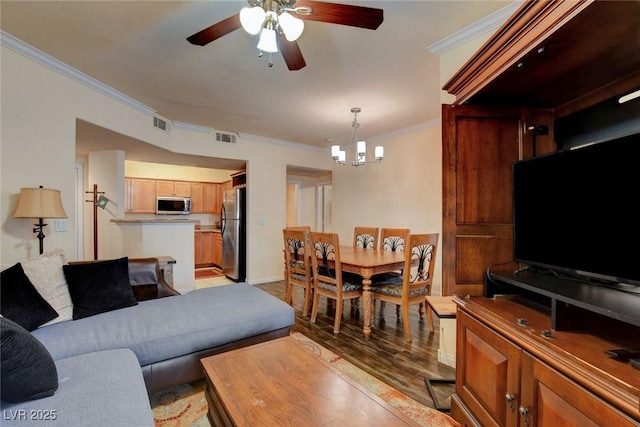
(108, 363)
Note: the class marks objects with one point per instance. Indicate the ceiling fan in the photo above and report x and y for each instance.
(279, 24)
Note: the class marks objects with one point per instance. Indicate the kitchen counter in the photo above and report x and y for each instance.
(207, 229)
(157, 221)
(153, 237)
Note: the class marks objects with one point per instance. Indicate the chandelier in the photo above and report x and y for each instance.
(268, 16)
(360, 149)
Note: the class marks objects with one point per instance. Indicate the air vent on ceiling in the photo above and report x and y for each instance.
(225, 137)
(160, 124)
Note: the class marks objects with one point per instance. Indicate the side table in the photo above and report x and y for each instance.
(445, 309)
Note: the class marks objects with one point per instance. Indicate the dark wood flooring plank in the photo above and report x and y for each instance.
(386, 355)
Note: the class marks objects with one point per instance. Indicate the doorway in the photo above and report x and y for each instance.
(293, 204)
(325, 193)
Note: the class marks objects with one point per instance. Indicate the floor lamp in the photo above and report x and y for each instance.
(99, 200)
(39, 203)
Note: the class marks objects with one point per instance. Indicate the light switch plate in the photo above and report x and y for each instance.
(62, 225)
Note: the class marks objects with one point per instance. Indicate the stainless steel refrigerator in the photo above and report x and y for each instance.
(234, 230)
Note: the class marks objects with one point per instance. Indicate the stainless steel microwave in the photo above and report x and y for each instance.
(166, 205)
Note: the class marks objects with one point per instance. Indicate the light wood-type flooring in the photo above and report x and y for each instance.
(386, 355)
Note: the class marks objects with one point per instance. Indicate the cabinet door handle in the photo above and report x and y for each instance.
(525, 413)
(509, 397)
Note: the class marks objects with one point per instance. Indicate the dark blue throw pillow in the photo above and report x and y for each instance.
(27, 369)
(98, 287)
(20, 300)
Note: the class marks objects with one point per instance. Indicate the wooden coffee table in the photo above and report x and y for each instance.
(282, 383)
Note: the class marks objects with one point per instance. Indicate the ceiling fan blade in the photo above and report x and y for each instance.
(290, 52)
(343, 14)
(216, 31)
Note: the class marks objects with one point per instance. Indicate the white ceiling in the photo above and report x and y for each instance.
(140, 48)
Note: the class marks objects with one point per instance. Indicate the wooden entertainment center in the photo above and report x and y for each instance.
(529, 355)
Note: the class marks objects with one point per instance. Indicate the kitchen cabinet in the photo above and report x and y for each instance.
(217, 249)
(204, 248)
(197, 197)
(513, 371)
(204, 198)
(173, 188)
(225, 186)
(140, 195)
(239, 179)
(211, 199)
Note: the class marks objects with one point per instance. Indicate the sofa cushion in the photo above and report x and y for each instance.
(103, 389)
(161, 329)
(21, 302)
(27, 369)
(46, 274)
(98, 287)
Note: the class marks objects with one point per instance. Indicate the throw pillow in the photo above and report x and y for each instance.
(98, 287)
(46, 274)
(21, 302)
(27, 369)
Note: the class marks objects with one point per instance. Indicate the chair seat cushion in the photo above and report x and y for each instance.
(349, 283)
(299, 277)
(396, 291)
(391, 278)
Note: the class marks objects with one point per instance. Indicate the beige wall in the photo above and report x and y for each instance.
(185, 173)
(39, 112)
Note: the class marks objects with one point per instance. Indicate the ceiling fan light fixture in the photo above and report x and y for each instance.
(267, 41)
(252, 19)
(291, 26)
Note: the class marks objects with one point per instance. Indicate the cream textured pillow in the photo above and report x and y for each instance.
(46, 273)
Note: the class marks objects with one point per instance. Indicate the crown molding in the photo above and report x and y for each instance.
(489, 23)
(28, 51)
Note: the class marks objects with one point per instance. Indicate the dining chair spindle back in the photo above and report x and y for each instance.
(297, 267)
(328, 279)
(365, 237)
(416, 279)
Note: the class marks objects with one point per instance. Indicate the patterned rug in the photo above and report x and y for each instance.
(185, 405)
(203, 273)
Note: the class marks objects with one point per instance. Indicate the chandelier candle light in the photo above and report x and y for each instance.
(340, 155)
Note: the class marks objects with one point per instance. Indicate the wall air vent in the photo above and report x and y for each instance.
(161, 124)
(225, 137)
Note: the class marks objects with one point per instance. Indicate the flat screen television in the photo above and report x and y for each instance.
(576, 212)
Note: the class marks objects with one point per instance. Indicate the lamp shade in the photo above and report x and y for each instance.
(39, 203)
(267, 41)
(291, 26)
(252, 19)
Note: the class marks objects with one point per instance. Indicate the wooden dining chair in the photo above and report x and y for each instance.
(394, 239)
(328, 279)
(297, 268)
(365, 237)
(414, 284)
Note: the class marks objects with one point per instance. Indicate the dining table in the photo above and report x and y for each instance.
(366, 263)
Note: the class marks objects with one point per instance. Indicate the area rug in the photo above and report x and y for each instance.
(205, 273)
(185, 405)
